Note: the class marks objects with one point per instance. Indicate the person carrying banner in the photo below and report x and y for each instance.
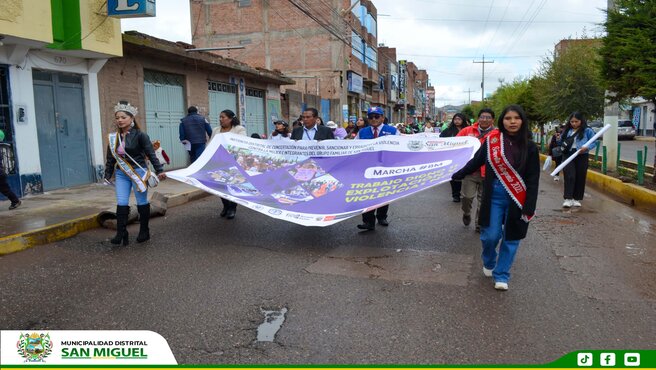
(510, 193)
(376, 128)
(574, 137)
(128, 149)
(311, 129)
(228, 122)
(458, 122)
(472, 185)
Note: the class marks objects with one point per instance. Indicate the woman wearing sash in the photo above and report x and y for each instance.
(510, 191)
(128, 149)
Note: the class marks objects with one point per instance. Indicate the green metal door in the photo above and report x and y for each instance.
(61, 129)
(164, 100)
(222, 96)
(255, 118)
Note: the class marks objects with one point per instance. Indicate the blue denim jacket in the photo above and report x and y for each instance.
(587, 135)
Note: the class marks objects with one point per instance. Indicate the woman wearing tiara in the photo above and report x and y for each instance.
(128, 149)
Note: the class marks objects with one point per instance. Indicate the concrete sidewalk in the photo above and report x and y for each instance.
(646, 138)
(60, 214)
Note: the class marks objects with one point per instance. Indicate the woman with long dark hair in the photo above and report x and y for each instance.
(228, 122)
(128, 149)
(458, 122)
(573, 138)
(510, 193)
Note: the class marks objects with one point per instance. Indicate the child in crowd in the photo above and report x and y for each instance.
(160, 153)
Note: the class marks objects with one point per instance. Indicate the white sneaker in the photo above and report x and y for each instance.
(576, 203)
(567, 203)
(500, 286)
(556, 178)
(487, 272)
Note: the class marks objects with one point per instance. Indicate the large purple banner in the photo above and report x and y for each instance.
(321, 183)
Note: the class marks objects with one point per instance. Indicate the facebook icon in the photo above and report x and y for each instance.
(607, 359)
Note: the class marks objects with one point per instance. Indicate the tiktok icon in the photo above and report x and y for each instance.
(584, 359)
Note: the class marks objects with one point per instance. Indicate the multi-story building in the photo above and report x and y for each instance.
(50, 55)
(388, 70)
(163, 78)
(328, 47)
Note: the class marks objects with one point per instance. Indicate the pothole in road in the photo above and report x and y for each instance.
(273, 320)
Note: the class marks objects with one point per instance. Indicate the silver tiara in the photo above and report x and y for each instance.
(120, 107)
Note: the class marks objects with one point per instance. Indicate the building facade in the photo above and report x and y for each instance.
(161, 78)
(328, 47)
(50, 56)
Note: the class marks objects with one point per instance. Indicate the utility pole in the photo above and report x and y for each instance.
(611, 116)
(469, 91)
(483, 79)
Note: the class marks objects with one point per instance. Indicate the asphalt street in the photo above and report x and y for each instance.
(629, 150)
(412, 293)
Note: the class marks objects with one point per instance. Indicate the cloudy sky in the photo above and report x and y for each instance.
(445, 37)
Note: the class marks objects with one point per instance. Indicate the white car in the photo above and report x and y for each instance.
(625, 130)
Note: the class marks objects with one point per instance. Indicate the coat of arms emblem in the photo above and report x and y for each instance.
(34, 347)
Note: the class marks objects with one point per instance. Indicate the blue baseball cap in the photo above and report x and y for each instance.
(375, 110)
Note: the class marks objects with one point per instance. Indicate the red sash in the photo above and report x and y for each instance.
(511, 180)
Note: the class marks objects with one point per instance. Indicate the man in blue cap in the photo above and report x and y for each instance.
(376, 128)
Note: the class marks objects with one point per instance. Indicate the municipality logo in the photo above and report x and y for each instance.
(415, 145)
(34, 347)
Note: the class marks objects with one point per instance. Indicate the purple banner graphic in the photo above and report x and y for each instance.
(321, 183)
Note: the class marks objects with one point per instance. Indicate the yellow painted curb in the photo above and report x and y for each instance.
(633, 194)
(630, 193)
(49, 234)
(67, 229)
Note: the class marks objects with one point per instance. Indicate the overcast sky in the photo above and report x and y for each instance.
(446, 36)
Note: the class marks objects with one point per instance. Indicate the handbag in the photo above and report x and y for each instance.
(152, 181)
(557, 152)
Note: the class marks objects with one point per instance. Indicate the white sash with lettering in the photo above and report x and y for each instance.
(141, 184)
(511, 180)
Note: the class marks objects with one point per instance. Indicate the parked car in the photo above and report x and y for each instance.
(625, 130)
(596, 125)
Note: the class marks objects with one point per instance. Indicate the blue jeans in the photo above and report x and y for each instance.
(196, 151)
(493, 233)
(124, 187)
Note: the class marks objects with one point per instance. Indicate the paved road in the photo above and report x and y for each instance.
(629, 150)
(412, 293)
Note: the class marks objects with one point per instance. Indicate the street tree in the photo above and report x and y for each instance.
(628, 53)
(570, 81)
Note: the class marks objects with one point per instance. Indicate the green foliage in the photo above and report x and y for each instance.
(467, 111)
(570, 82)
(628, 54)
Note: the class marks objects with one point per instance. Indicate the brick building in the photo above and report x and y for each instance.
(328, 47)
(162, 79)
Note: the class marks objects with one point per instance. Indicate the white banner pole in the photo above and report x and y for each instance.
(587, 144)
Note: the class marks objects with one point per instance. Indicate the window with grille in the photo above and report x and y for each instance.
(220, 86)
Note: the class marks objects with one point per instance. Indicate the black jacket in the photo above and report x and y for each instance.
(323, 133)
(138, 146)
(451, 131)
(516, 229)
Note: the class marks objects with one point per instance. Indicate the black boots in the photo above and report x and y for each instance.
(229, 209)
(122, 213)
(144, 217)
